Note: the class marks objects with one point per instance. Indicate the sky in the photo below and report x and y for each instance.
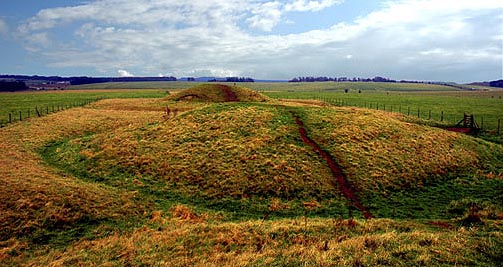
(429, 40)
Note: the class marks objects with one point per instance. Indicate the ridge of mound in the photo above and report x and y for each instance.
(219, 93)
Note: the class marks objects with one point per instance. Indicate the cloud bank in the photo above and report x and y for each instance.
(424, 39)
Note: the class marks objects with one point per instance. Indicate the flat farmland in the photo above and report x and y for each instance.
(26, 104)
(486, 106)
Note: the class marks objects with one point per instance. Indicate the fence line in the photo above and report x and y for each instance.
(44, 110)
(427, 114)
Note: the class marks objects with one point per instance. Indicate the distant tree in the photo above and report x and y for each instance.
(498, 83)
(191, 79)
(12, 86)
(239, 80)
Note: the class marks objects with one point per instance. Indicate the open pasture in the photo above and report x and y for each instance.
(446, 107)
(25, 104)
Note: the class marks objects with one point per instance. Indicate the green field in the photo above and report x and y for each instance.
(439, 104)
(282, 86)
(487, 107)
(27, 103)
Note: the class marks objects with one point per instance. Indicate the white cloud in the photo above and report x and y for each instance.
(313, 6)
(210, 38)
(266, 16)
(124, 73)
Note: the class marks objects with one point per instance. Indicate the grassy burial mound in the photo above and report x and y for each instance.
(219, 93)
(243, 157)
(239, 157)
(405, 170)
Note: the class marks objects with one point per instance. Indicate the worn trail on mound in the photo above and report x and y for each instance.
(230, 96)
(336, 170)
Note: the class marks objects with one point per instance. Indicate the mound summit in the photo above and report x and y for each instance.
(218, 93)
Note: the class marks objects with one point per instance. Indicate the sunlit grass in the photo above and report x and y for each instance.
(118, 183)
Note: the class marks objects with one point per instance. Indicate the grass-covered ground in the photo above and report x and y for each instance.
(441, 107)
(117, 183)
(27, 103)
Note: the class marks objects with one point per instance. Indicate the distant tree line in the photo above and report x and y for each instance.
(340, 79)
(85, 79)
(498, 83)
(89, 80)
(235, 80)
(12, 86)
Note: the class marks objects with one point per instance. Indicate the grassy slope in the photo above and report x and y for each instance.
(405, 170)
(132, 135)
(36, 198)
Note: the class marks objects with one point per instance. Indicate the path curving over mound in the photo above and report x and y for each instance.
(335, 168)
(218, 93)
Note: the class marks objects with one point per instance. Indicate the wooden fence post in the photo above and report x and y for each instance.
(20, 116)
(499, 124)
(419, 116)
(429, 115)
(10, 117)
(442, 116)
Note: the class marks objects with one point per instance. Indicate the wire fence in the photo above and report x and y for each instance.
(42, 110)
(488, 123)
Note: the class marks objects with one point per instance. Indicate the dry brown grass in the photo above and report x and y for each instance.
(34, 196)
(322, 242)
(381, 150)
(234, 152)
(216, 93)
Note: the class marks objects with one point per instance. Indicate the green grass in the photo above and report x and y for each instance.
(135, 85)
(487, 107)
(49, 101)
(281, 87)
